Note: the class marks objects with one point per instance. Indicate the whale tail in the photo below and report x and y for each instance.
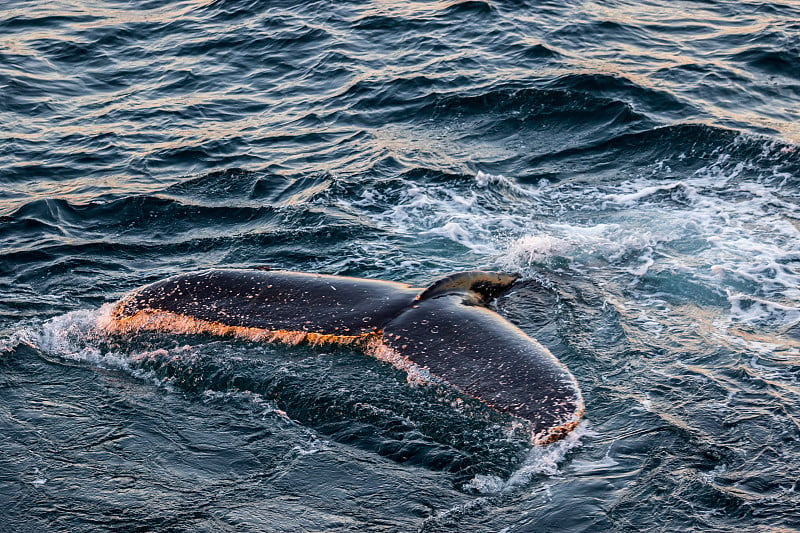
(445, 328)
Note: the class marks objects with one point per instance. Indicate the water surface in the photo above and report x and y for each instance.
(638, 163)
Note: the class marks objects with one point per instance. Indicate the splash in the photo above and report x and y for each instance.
(541, 461)
(74, 336)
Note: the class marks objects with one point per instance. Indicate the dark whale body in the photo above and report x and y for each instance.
(445, 328)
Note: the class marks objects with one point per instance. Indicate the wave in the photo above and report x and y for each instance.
(776, 62)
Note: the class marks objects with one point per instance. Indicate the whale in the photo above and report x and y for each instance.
(443, 333)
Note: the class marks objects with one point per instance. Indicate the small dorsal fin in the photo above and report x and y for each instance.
(486, 285)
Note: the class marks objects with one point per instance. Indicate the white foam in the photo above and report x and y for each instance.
(586, 247)
(38, 481)
(586, 467)
(485, 180)
(747, 238)
(457, 232)
(532, 250)
(730, 226)
(641, 194)
(541, 461)
(74, 336)
(440, 212)
(753, 310)
(312, 447)
(16, 338)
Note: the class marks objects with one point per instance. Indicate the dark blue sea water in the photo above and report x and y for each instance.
(638, 163)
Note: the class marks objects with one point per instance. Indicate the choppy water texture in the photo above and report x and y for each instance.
(637, 162)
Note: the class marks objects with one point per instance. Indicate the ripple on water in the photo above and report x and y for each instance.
(610, 153)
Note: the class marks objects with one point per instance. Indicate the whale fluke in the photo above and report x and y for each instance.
(444, 328)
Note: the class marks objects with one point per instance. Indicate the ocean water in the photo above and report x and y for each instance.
(637, 162)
